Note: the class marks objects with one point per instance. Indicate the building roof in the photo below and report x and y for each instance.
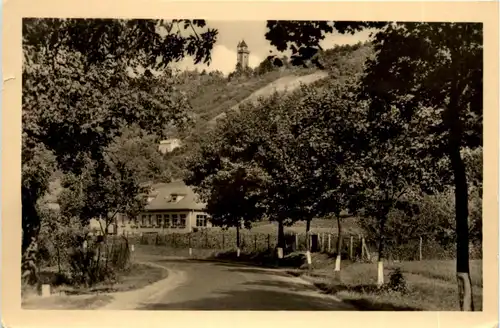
(163, 197)
(242, 44)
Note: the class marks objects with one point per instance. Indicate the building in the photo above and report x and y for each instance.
(166, 146)
(242, 54)
(171, 207)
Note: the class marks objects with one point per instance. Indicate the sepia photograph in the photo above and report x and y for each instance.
(251, 165)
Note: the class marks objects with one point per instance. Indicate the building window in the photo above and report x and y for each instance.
(167, 220)
(183, 221)
(144, 220)
(175, 221)
(159, 220)
(201, 220)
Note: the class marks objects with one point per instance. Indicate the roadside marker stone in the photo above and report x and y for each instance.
(45, 290)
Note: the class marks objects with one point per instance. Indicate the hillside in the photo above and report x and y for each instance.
(211, 95)
(283, 84)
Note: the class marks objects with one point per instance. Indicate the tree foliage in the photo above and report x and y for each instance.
(79, 92)
(431, 70)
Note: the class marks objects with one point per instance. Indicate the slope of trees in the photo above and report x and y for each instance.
(78, 96)
(432, 68)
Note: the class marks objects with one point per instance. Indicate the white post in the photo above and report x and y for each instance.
(45, 290)
(350, 248)
(362, 248)
(420, 249)
(132, 248)
(280, 252)
(308, 256)
(190, 251)
(380, 273)
(329, 242)
(238, 252)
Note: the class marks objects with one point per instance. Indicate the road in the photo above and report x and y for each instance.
(222, 286)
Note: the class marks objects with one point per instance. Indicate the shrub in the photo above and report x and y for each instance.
(397, 282)
(98, 262)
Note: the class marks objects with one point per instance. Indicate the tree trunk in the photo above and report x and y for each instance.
(339, 243)
(380, 263)
(452, 119)
(281, 238)
(462, 227)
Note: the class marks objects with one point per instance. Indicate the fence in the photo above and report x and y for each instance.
(353, 247)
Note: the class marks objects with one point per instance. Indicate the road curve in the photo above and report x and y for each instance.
(222, 286)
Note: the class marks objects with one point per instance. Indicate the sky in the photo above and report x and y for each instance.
(253, 32)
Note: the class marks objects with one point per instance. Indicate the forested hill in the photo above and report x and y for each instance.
(212, 94)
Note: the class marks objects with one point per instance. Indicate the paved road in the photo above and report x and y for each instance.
(221, 286)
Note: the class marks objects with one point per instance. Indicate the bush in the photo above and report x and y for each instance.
(397, 282)
(433, 219)
(98, 262)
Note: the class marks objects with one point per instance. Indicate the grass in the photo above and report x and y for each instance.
(431, 285)
(145, 252)
(63, 302)
(135, 277)
(349, 226)
(211, 100)
(442, 270)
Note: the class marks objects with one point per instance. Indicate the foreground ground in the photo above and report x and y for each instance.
(223, 286)
(431, 284)
(200, 284)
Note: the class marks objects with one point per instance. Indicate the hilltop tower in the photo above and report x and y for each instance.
(242, 57)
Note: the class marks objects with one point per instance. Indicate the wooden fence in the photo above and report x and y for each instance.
(353, 247)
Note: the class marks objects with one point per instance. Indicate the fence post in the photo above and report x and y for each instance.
(296, 241)
(362, 248)
(223, 237)
(329, 242)
(255, 239)
(420, 249)
(189, 244)
(350, 248)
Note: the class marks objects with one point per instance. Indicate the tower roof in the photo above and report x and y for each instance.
(242, 44)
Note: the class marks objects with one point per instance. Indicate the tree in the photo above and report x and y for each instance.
(420, 65)
(437, 66)
(229, 187)
(260, 139)
(78, 92)
(37, 167)
(265, 66)
(104, 189)
(326, 123)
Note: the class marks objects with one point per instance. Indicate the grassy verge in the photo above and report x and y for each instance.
(65, 296)
(431, 285)
(63, 302)
(136, 276)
